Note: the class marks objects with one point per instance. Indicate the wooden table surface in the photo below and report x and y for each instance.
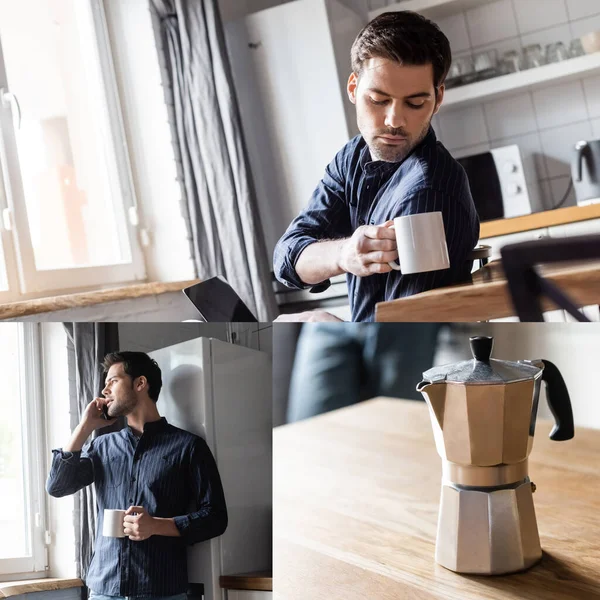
(490, 299)
(356, 496)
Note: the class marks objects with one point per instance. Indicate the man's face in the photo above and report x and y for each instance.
(394, 106)
(119, 391)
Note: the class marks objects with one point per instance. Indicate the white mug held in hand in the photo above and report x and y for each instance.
(421, 242)
(113, 525)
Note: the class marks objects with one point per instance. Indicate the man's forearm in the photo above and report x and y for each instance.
(165, 527)
(80, 434)
(320, 261)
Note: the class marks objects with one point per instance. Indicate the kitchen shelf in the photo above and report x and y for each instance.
(505, 85)
(432, 9)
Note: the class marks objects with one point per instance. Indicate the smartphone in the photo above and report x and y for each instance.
(217, 302)
(105, 413)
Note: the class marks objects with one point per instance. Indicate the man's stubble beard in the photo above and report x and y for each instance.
(393, 154)
(123, 406)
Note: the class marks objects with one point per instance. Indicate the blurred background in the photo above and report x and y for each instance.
(319, 367)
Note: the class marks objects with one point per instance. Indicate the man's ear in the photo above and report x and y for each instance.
(351, 87)
(140, 383)
(439, 98)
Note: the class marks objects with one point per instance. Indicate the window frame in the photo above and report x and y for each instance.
(24, 279)
(33, 445)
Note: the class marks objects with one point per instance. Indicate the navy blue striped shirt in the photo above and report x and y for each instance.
(356, 190)
(168, 471)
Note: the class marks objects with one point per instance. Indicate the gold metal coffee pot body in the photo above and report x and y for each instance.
(483, 413)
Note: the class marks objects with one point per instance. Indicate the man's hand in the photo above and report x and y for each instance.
(139, 526)
(369, 250)
(92, 415)
(91, 420)
(310, 316)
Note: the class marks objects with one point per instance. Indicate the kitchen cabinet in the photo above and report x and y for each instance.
(571, 229)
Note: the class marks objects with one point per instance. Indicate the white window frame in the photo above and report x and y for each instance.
(34, 449)
(24, 279)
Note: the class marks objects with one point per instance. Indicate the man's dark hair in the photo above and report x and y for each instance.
(136, 364)
(404, 37)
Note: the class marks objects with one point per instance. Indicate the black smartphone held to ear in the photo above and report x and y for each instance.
(217, 302)
(105, 413)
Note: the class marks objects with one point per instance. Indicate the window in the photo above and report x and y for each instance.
(69, 216)
(22, 498)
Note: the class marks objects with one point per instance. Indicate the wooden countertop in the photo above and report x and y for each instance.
(260, 581)
(356, 497)
(490, 299)
(547, 218)
(28, 586)
(24, 308)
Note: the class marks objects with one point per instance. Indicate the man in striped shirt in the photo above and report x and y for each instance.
(395, 167)
(166, 478)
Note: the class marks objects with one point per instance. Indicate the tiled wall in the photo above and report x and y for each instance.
(545, 123)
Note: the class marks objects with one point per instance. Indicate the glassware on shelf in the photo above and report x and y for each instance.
(486, 64)
(511, 62)
(556, 52)
(461, 71)
(576, 48)
(533, 56)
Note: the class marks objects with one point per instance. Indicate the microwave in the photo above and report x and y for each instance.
(497, 182)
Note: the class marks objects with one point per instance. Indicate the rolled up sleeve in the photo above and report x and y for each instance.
(326, 217)
(69, 472)
(209, 517)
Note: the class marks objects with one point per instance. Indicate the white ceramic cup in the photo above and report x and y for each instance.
(113, 523)
(421, 242)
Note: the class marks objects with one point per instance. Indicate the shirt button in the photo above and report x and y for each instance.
(133, 479)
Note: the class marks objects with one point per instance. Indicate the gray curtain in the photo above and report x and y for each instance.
(220, 204)
(87, 344)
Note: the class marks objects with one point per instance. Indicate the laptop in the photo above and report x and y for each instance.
(217, 302)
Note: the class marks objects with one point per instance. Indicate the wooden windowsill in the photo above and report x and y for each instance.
(28, 586)
(547, 218)
(24, 308)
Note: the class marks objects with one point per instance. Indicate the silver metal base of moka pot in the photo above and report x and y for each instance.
(487, 531)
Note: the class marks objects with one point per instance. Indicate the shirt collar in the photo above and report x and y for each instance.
(152, 427)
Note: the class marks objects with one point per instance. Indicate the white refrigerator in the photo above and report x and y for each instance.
(222, 393)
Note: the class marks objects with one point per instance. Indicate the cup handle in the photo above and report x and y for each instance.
(394, 265)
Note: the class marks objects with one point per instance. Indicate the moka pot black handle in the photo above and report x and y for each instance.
(559, 402)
